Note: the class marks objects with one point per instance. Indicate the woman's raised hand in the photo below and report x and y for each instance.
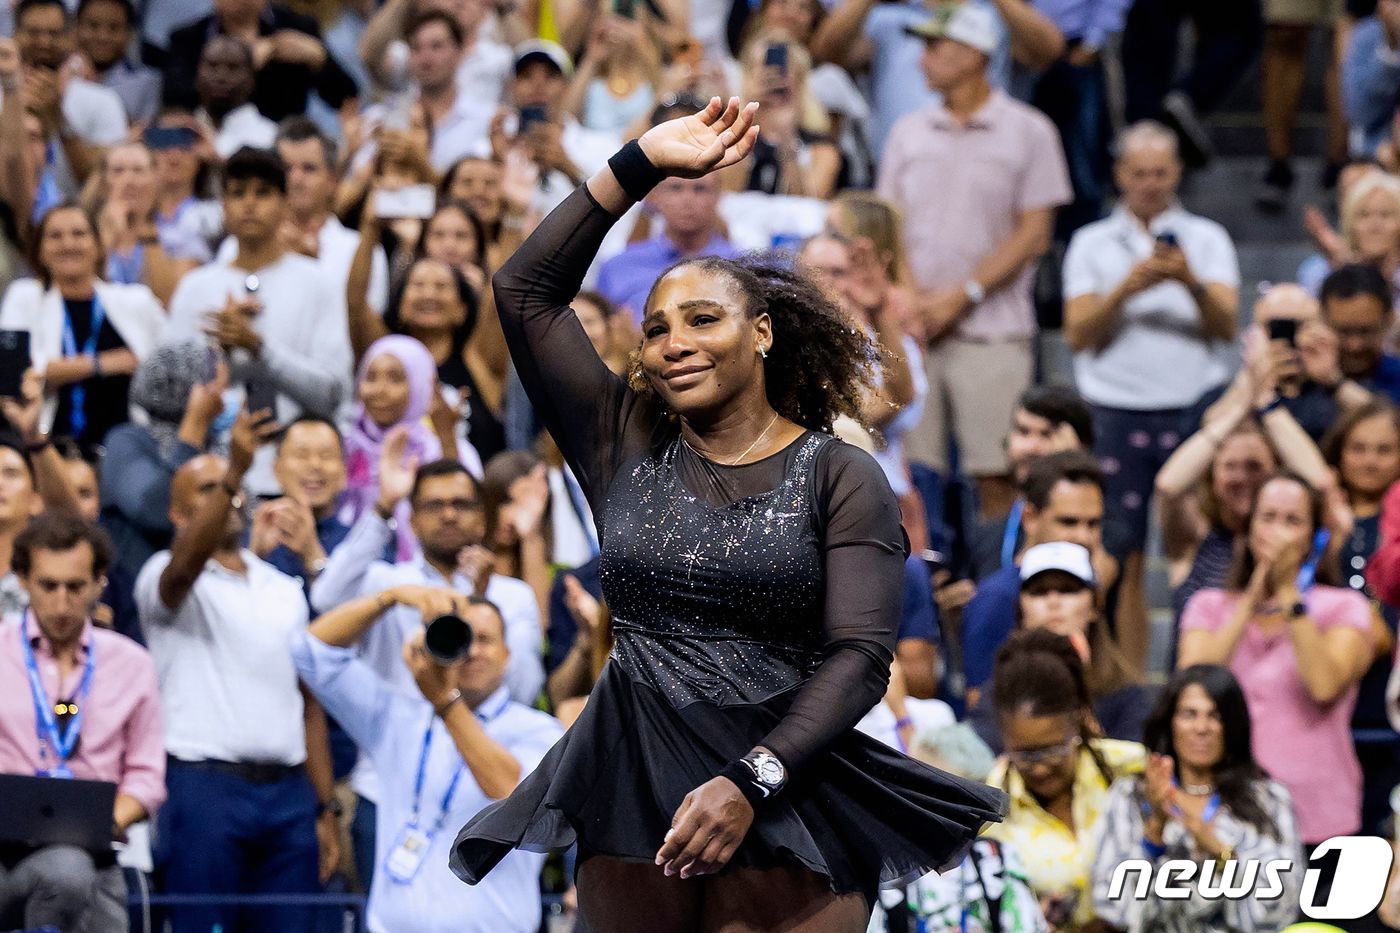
(715, 138)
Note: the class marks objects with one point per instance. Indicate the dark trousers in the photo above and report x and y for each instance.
(1131, 447)
(220, 833)
(1073, 97)
(362, 834)
(1228, 36)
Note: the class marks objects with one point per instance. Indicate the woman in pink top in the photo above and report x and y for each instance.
(1299, 654)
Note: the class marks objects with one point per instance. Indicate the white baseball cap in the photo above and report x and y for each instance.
(1072, 559)
(969, 23)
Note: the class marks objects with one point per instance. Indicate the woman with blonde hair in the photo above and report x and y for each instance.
(1370, 231)
(794, 154)
(614, 84)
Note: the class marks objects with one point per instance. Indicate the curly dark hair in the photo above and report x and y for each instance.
(820, 364)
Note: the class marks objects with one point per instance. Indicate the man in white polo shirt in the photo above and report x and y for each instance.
(242, 815)
(1151, 294)
(276, 314)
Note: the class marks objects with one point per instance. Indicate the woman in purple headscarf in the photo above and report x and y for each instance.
(394, 388)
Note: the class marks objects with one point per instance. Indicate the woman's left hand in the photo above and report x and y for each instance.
(706, 831)
(694, 146)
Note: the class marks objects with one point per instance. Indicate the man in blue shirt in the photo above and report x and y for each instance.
(441, 757)
(1064, 495)
(689, 207)
(1357, 304)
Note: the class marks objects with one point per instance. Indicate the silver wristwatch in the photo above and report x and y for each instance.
(768, 772)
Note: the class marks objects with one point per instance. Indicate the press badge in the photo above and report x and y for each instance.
(406, 857)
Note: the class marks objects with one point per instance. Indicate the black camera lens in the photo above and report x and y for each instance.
(447, 639)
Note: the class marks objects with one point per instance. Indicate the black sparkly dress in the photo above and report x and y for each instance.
(751, 605)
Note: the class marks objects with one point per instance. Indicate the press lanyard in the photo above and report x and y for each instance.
(77, 418)
(456, 775)
(62, 742)
(1011, 533)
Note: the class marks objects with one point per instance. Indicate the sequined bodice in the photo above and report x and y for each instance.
(715, 602)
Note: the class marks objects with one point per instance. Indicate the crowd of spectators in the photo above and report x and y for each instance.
(259, 423)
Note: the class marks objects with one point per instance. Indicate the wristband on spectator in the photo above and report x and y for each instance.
(634, 172)
(1152, 849)
(1263, 410)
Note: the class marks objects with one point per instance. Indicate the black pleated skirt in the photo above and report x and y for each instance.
(861, 814)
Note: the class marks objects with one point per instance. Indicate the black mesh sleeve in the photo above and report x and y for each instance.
(865, 548)
(586, 407)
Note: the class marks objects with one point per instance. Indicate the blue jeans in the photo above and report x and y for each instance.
(221, 834)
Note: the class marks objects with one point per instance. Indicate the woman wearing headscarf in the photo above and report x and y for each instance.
(394, 392)
(181, 394)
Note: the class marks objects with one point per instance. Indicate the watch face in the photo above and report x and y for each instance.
(770, 770)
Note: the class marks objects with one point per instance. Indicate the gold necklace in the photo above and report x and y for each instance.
(735, 461)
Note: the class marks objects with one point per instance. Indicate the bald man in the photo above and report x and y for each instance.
(244, 746)
(1151, 295)
(1291, 362)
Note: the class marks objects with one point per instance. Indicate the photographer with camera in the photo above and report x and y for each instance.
(439, 759)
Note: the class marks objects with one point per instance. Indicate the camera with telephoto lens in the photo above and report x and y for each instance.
(447, 639)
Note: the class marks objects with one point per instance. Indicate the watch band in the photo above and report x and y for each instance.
(441, 709)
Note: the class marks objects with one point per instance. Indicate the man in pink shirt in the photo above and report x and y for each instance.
(978, 177)
(93, 714)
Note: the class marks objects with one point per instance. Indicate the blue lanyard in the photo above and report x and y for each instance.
(1012, 532)
(62, 742)
(77, 418)
(456, 775)
(1307, 573)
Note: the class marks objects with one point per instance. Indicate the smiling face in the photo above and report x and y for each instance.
(485, 666)
(699, 345)
(1240, 465)
(1371, 457)
(1198, 736)
(103, 32)
(384, 390)
(310, 465)
(1375, 229)
(68, 245)
(431, 302)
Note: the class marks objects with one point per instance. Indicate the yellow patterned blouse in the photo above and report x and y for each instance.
(1058, 861)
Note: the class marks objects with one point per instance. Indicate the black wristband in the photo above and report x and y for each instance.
(634, 171)
(743, 779)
